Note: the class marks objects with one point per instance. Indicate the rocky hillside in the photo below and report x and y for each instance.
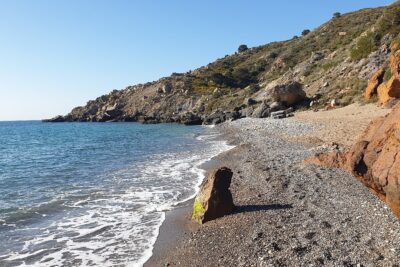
(330, 64)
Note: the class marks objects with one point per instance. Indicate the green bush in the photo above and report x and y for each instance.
(388, 75)
(336, 15)
(242, 48)
(365, 45)
(390, 21)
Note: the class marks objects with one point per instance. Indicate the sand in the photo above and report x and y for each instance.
(342, 126)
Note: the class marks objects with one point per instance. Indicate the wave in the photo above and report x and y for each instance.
(118, 223)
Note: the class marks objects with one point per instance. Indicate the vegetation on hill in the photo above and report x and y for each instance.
(333, 61)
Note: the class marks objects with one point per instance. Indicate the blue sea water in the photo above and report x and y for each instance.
(93, 194)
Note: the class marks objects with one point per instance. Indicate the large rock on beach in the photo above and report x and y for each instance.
(214, 199)
(288, 93)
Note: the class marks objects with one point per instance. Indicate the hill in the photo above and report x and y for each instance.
(332, 62)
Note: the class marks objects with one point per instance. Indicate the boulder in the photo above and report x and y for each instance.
(234, 115)
(373, 84)
(275, 106)
(374, 159)
(316, 56)
(389, 91)
(214, 199)
(246, 112)
(191, 119)
(282, 113)
(262, 111)
(288, 93)
(215, 118)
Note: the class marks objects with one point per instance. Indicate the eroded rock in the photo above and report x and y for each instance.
(214, 199)
(389, 91)
(373, 84)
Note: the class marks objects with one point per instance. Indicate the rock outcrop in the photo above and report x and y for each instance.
(373, 84)
(214, 199)
(374, 159)
(388, 92)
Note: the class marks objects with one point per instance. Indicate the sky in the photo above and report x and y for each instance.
(56, 55)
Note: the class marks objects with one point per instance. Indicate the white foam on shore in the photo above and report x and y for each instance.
(119, 226)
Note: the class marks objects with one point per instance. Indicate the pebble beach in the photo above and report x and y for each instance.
(287, 213)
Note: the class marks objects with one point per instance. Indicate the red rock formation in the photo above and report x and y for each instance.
(395, 61)
(374, 159)
(389, 91)
(373, 84)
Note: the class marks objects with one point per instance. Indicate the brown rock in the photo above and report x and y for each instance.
(373, 83)
(395, 62)
(214, 199)
(389, 91)
(288, 93)
(334, 159)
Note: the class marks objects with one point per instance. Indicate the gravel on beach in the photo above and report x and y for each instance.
(288, 213)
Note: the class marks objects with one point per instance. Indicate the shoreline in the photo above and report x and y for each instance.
(288, 213)
(177, 223)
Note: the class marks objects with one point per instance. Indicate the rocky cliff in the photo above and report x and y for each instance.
(330, 64)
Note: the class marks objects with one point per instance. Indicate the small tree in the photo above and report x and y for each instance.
(336, 15)
(305, 32)
(242, 48)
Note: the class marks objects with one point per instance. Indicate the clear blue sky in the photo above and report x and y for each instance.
(55, 55)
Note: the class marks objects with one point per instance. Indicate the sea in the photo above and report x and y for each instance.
(94, 194)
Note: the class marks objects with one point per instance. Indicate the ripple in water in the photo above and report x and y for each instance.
(94, 194)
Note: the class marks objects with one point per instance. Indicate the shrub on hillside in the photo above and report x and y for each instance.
(336, 15)
(242, 48)
(365, 45)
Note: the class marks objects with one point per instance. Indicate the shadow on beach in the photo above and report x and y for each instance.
(253, 208)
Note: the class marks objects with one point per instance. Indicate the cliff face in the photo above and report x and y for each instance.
(332, 62)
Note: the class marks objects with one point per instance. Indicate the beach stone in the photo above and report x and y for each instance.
(214, 199)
